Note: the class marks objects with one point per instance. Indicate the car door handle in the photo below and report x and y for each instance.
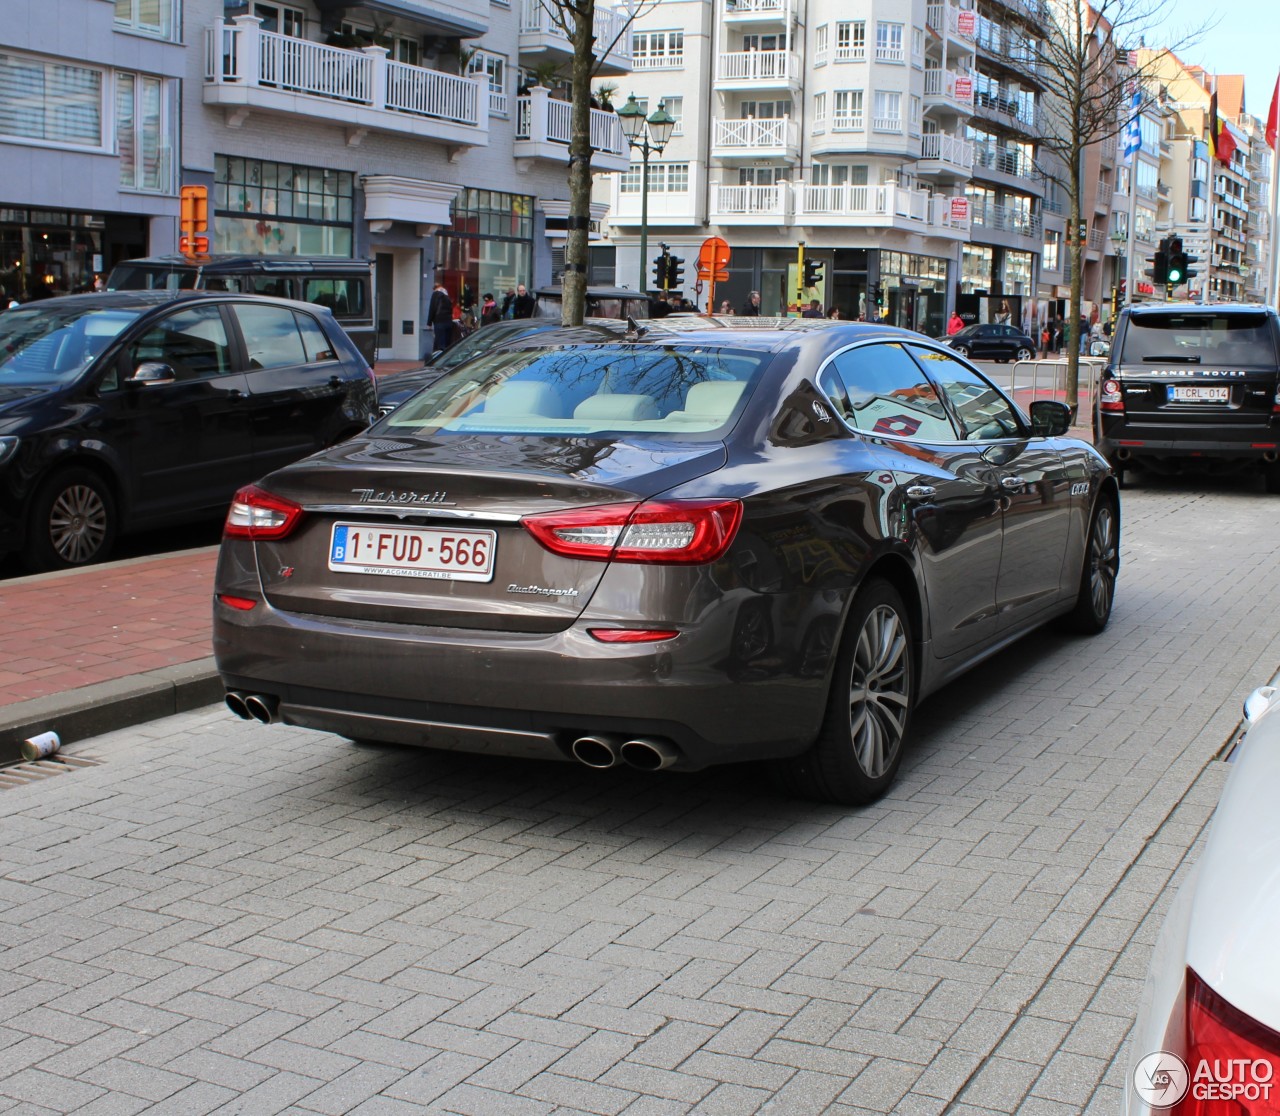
(921, 492)
(235, 395)
(1012, 484)
(335, 382)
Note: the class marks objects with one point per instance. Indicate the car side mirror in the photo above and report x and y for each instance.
(151, 373)
(1049, 418)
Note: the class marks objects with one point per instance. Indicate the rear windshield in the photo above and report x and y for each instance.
(132, 277)
(1237, 339)
(680, 392)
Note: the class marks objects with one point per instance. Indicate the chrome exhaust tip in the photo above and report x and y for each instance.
(1270, 456)
(235, 702)
(648, 755)
(1124, 454)
(600, 752)
(263, 707)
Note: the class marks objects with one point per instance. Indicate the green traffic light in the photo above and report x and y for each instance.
(1175, 276)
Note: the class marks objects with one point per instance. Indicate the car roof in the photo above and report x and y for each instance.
(234, 263)
(1201, 308)
(150, 299)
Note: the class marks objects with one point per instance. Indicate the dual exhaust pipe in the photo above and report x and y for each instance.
(254, 707)
(603, 751)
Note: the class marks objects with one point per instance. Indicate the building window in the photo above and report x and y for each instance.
(147, 17)
(915, 115)
(291, 22)
(1052, 247)
(655, 50)
(264, 208)
(821, 40)
(143, 138)
(819, 112)
(917, 45)
(889, 42)
(664, 178)
(851, 41)
(493, 68)
(50, 102)
(848, 110)
(1148, 179)
(675, 109)
(887, 116)
(1144, 223)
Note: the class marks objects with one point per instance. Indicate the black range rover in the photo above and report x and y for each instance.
(1192, 386)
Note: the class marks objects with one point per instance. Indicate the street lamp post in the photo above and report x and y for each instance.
(648, 137)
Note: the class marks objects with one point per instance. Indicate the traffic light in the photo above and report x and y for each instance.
(675, 273)
(662, 270)
(1177, 269)
(1159, 270)
(877, 292)
(193, 220)
(813, 271)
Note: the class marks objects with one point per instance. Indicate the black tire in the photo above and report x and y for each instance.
(1098, 571)
(73, 522)
(868, 716)
(1024, 354)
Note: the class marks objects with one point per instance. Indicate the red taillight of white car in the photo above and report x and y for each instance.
(1233, 1061)
(664, 532)
(261, 515)
(1110, 399)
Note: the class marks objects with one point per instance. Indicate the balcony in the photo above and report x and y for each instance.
(887, 206)
(756, 11)
(946, 155)
(755, 139)
(1003, 218)
(249, 70)
(758, 69)
(543, 129)
(1008, 161)
(539, 34)
(948, 90)
(1001, 105)
(949, 20)
(751, 205)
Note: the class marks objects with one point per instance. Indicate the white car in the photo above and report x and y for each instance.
(1207, 1039)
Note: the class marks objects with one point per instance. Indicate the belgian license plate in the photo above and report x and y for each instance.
(431, 552)
(1179, 393)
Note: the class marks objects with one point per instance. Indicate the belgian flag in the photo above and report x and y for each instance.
(1224, 143)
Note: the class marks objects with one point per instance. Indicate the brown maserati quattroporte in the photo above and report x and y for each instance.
(668, 551)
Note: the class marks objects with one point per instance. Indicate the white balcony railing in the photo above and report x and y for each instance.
(756, 7)
(955, 87)
(240, 53)
(753, 135)
(611, 27)
(890, 54)
(758, 66)
(947, 149)
(1004, 218)
(538, 118)
(886, 123)
(848, 122)
(752, 201)
(498, 102)
(845, 204)
(946, 17)
(865, 201)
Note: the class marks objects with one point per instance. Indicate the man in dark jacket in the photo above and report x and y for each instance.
(440, 319)
(752, 308)
(523, 305)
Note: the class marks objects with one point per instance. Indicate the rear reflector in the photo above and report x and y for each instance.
(631, 635)
(1231, 1058)
(258, 514)
(679, 532)
(241, 603)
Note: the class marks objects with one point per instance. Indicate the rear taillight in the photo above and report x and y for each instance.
(680, 532)
(1110, 398)
(258, 514)
(1275, 403)
(1233, 1061)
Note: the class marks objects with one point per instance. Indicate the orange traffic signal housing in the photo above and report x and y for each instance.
(194, 209)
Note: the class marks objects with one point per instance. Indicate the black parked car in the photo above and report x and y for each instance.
(991, 342)
(137, 409)
(1193, 387)
(666, 550)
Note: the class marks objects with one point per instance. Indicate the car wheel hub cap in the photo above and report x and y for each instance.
(879, 691)
(1102, 559)
(77, 523)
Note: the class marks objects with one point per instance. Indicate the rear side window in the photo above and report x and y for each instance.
(879, 389)
(1236, 339)
(271, 336)
(345, 297)
(314, 341)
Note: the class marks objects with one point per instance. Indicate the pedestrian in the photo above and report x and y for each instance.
(955, 324)
(1082, 334)
(834, 314)
(752, 308)
(813, 310)
(522, 307)
(508, 303)
(440, 319)
(726, 307)
(489, 312)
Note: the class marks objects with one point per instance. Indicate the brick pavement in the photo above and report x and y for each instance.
(229, 917)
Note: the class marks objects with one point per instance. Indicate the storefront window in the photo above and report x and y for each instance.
(264, 208)
(976, 264)
(488, 248)
(914, 290)
(1016, 272)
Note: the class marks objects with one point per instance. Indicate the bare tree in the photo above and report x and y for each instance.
(1084, 67)
(577, 19)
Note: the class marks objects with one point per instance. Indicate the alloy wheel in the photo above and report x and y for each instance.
(1103, 560)
(879, 691)
(77, 523)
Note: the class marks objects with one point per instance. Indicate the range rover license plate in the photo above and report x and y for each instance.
(432, 552)
(1180, 393)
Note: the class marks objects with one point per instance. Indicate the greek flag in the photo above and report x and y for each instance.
(1133, 130)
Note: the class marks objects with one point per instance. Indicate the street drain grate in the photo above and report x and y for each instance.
(22, 774)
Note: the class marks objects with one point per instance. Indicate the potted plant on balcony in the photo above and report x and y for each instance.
(603, 95)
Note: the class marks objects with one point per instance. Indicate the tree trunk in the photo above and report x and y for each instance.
(574, 297)
(1076, 248)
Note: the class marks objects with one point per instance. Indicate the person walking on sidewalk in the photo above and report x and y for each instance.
(440, 319)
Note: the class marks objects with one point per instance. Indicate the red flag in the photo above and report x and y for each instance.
(1224, 143)
(1273, 117)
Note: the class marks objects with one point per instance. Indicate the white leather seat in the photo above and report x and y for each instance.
(524, 398)
(618, 408)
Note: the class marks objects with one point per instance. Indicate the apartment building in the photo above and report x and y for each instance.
(1257, 259)
(88, 138)
(841, 124)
